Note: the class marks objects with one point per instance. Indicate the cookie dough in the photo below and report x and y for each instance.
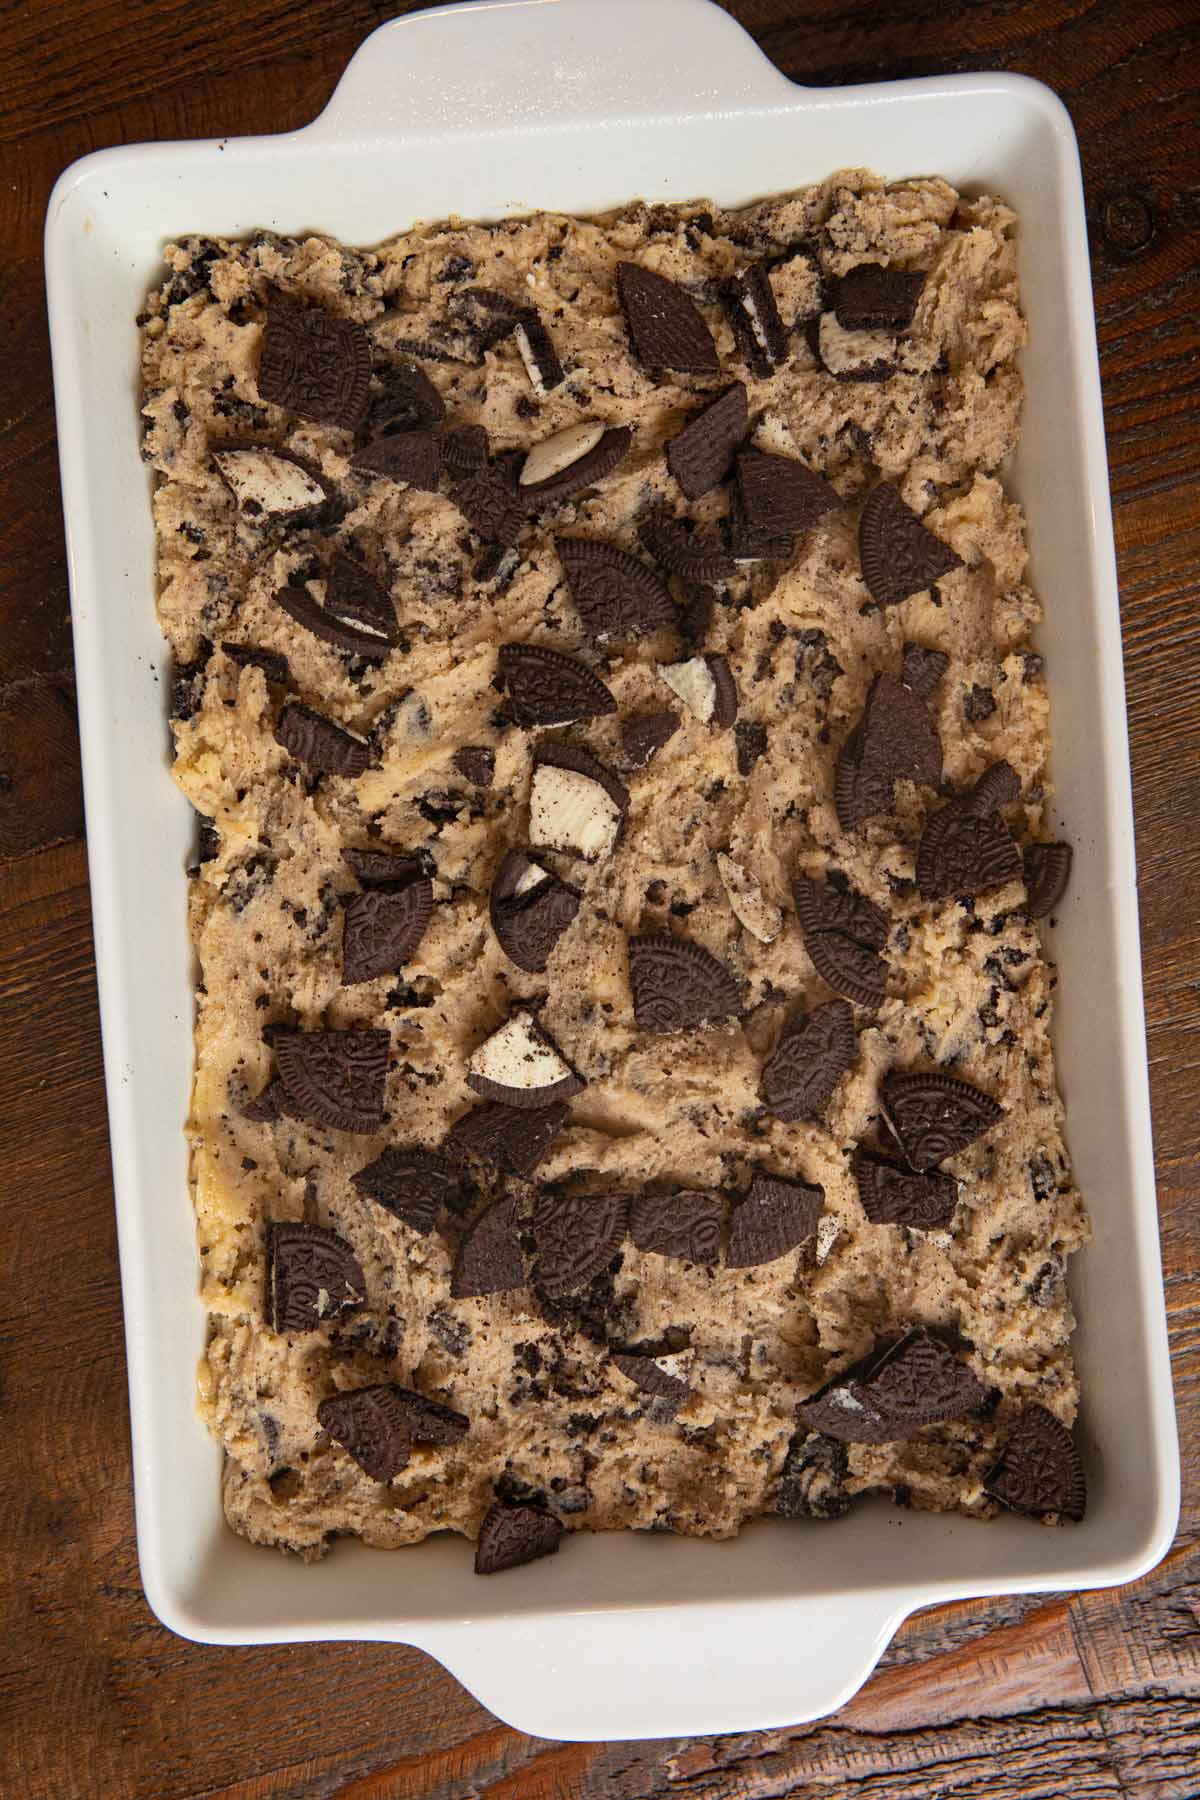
(663, 1393)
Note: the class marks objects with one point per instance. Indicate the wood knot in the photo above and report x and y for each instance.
(1128, 224)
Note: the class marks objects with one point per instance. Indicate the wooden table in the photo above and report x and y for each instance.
(1089, 1696)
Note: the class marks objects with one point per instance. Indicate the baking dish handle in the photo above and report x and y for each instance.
(534, 64)
(597, 1676)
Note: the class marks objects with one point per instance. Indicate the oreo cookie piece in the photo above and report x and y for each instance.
(319, 743)
(644, 735)
(775, 1217)
(848, 968)
(411, 457)
(512, 1535)
(530, 908)
(575, 1237)
(1040, 1472)
(684, 550)
(269, 1105)
(520, 1065)
(706, 686)
(966, 848)
(1047, 869)
(678, 986)
(414, 1184)
(489, 501)
(666, 328)
(402, 399)
(489, 1259)
(822, 907)
(703, 453)
(269, 483)
(476, 764)
(247, 656)
(751, 741)
(933, 1116)
(873, 297)
(896, 739)
(371, 1424)
(751, 309)
(386, 869)
(536, 349)
(891, 1195)
(899, 555)
(662, 1377)
(334, 1079)
(777, 499)
(894, 1392)
(382, 929)
(545, 687)
(575, 804)
(686, 1226)
(572, 462)
(617, 597)
(852, 355)
(300, 605)
(507, 1137)
(799, 1078)
(464, 449)
(314, 365)
(312, 1275)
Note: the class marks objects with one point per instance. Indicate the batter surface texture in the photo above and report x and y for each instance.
(722, 1214)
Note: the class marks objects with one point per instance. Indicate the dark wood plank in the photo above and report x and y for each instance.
(1091, 1695)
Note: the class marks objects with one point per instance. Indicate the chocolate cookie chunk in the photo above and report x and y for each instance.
(1040, 1472)
(822, 907)
(545, 687)
(520, 1065)
(512, 1535)
(319, 743)
(777, 499)
(683, 550)
(896, 1390)
(934, 1116)
(751, 309)
(489, 500)
(643, 736)
(411, 457)
(315, 365)
(685, 1225)
(896, 739)
(873, 297)
(371, 1424)
(678, 986)
(616, 596)
(899, 555)
(575, 1236)
(966, 848)
(799, 1078)
(776, 1216)
(414, 1184)
(1047, 870)
(666, 328)
(703, 453)
(382, 930)
(578, 472)
(403, 399)
(312, 1276)
(300, 605)
(530, 909)
(334, 1078)
(489, 1258)
(653, 1374)
(509, 1137)
(894, 1196)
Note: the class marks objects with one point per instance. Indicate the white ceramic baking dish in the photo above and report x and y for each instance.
(481, 110)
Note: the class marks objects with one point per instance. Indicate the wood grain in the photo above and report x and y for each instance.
(1089, 1696)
